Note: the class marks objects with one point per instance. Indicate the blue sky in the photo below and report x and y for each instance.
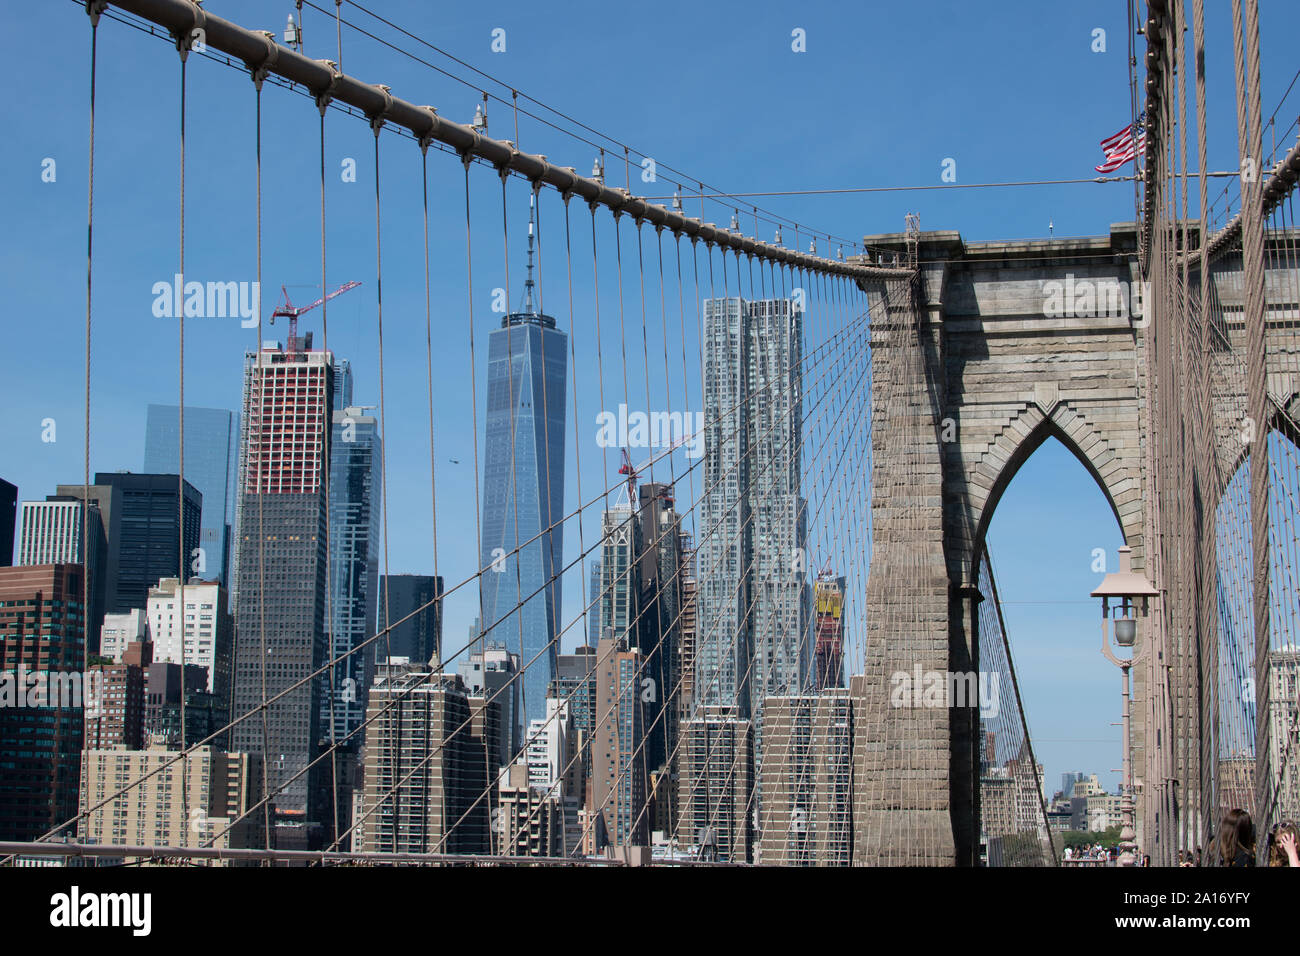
(882, 96)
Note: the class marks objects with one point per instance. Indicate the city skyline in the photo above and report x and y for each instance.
(669, 498)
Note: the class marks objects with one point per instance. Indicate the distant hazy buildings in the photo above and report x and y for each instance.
(211, 458)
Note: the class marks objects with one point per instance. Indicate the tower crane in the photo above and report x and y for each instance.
(290, 311)
(632, 472)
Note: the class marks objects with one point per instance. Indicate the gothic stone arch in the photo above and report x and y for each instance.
(1008, 343)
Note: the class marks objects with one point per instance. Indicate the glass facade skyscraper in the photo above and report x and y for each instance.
(355, 491)
(523, 493)
(145, 530)
(417, 598)
(211, 456)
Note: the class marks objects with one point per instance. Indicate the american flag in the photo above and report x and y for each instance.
(1122, 147)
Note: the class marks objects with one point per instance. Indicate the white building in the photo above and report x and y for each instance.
(550, 745)
(207, 628)
(120, 630)
(50, 532)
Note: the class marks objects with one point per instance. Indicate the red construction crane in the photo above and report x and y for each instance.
(633, 472)
(627, 469)
(291, 311)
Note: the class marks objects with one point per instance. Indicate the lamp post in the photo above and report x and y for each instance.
(1120, 593)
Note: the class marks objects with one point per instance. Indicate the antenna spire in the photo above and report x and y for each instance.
(529, 308)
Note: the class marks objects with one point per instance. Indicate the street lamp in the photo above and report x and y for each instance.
(1122, 590)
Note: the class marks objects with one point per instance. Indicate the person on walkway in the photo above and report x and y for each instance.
(1237, 839)
(1282, 846)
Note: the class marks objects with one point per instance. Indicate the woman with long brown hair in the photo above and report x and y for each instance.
(1282, 846)
(1237, 839)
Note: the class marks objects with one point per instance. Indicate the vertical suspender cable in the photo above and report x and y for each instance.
(377, 125)
(183, 45)
(93, 8)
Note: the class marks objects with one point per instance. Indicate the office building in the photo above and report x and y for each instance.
(280, 569)
(219, 788)
(144, 532)
(115, 713)
(426, 764)
(523, 492)
(166, 694)
(551, 751)
(753, 599)
(493, 673)
(575, 684)
(211, 459)
(592, 610)
(415, 601)
(620, 771)
(119, 630)
(715, 785)
(355, 491)
(1068, 780)
(531, 819)
(620, 589)
(8, 521)
(207, 628)
(51, 532)
(658, 576)
(688, 633)
(805, 781)
(42, 649)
